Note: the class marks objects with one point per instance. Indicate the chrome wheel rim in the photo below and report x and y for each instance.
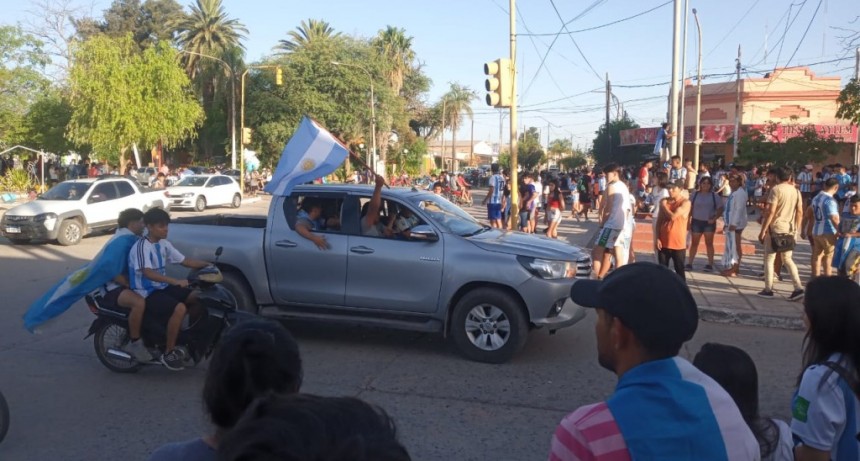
(487, 327)
(73, 232)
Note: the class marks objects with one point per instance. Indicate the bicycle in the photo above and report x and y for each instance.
(4, 417)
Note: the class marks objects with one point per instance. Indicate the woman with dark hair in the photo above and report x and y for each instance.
(254, 358)
(311, 428)
(707, 206)
(735, 371)
(554, 207)
(584, 187)
(826, 410)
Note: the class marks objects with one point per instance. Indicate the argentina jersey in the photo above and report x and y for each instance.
(147, 255)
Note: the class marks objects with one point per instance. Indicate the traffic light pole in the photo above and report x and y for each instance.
(515, 201)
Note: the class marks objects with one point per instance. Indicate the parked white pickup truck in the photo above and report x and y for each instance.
(72, 209)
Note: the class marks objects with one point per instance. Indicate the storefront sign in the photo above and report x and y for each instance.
(723, 133)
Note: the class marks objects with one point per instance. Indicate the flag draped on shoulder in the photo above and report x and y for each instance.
(111, 261)
(311, 153)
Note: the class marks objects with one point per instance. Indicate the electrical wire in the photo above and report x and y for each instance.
(571, 32)
(788, 27)
(803, 37)
(733, 28)
(564, 27)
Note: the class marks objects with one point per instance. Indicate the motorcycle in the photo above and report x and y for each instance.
(4, 417)
(196, 342)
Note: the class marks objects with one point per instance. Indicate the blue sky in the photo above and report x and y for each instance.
(453, 38)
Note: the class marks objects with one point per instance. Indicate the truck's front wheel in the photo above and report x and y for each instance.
(235, 283)
(70, 233)
(488, 326)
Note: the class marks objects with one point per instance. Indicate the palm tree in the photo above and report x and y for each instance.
(207, 30)
(308, 32)
(393, 44)
(456, 102)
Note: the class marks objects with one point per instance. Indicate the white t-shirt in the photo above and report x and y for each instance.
(538, 192)
(784, 446)
(657, 194)
(819, 411)
(147, 255)
(619, 203)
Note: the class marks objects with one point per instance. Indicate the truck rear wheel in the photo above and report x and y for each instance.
(488, 326)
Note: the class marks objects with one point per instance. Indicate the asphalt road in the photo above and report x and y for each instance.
(66, 406)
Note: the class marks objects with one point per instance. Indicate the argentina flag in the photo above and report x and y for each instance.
(311, 153)
(110, 262)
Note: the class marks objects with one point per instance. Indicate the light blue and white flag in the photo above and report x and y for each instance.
(311, 153)
(111, 261)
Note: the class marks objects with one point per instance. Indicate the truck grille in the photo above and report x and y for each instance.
(18, 219)
(583, 268)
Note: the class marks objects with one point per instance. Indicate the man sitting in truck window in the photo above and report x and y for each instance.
(307, 221)
(370, 211)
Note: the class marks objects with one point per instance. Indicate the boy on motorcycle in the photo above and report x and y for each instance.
(119, 293)
(167, 298)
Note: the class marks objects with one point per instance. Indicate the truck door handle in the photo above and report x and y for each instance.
(362, 250)
(286, 244)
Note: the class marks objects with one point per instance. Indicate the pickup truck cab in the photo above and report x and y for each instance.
(72, 209)
(446, 273)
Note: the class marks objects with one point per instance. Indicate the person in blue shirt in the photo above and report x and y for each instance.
(846, 258)
(661, 147)
(844, 181)
(823, 227)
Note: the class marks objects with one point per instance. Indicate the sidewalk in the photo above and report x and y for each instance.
(727, 299)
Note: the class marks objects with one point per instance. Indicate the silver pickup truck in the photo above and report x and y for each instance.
(445, 273)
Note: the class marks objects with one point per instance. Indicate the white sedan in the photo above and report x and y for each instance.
(200, 191)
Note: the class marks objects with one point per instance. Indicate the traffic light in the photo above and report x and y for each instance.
(246, 136)
(499, 83)
(279, 76)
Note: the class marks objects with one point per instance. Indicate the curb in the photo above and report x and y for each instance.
(727, 316)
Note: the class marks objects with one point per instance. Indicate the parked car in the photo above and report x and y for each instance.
(145, 175)
(200, 191)
(72, 209)
(234, 173)
(482, 287)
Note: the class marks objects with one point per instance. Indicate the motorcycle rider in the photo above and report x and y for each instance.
(118, 291)
(167, 299)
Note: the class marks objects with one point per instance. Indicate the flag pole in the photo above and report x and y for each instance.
(351, 153)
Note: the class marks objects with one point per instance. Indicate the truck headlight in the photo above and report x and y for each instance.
(49, 220)
(548, 269)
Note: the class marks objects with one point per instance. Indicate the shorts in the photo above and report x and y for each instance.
(526, 217)
(574, 198)
(161, 303)
(608, 238)
(554, 215)
(700, 227)
(111, 298)
(494, 211)
(823, 245)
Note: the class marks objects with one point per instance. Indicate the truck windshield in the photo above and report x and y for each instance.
(66, 191)
(447, 215)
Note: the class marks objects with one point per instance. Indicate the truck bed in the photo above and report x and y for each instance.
(225, 220)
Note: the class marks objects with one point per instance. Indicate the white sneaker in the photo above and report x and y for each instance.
(138, 350)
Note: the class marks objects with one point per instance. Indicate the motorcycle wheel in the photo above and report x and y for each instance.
(4, 417)
(113, 336)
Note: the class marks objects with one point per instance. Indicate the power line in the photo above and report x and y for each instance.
(805, 32)
(787, 27)
(564, 27)
(733, 28)
(571, 32)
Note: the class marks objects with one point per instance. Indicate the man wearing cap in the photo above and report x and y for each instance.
(663, 408)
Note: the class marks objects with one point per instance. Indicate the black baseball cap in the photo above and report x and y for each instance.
(649, 299)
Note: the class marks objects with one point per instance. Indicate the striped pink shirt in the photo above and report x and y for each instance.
(589, 433)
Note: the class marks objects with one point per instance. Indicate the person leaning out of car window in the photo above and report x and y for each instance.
(308, 221)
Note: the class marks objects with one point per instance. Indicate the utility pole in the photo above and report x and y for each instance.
(697, 143)
(472, 145)
(515, 201)
(608, 133)
(857, 142)
(737, 106)
(442, 135)
(683, 100)
(500, 132)
(676, 75)
(547, 145)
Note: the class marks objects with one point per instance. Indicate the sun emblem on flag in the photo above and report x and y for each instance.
(308, 165)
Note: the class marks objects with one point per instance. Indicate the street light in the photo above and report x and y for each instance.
(232, 103)
(242, 121)
(372, 110)
(697, 143)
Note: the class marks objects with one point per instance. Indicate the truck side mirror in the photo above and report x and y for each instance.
(423, 232)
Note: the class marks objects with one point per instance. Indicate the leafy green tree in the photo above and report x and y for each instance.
(849, 102)
(561, 146)
(530, 153)
(207, 30)
(21, 63)
(120, 96)
(764, 146)
(309, 32)
(623, 155)
(148, 21)
(456, 102)
(396, 47)
(46, 123)
(573, 162)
